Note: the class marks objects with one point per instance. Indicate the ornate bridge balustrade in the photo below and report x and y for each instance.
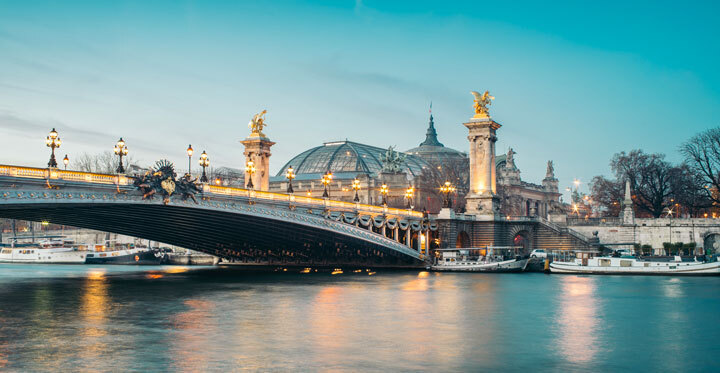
(238, 224)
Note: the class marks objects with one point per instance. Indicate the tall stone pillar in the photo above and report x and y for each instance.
(482, 200)
(257, 150)
(628, 214)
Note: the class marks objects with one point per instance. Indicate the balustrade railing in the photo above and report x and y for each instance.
(122, 180)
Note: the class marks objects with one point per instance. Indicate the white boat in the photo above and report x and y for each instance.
(50, 251)
(637, 266)
(489, 259)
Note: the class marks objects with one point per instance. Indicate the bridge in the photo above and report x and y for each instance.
(240, 225)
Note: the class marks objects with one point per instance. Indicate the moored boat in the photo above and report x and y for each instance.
(488, 259)
(54, 251)
(631, 265)
(128, 254)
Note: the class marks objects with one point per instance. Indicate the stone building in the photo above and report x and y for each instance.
(423, 168)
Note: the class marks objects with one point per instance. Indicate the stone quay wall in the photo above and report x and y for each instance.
(651, 232)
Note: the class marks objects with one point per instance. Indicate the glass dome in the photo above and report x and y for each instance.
(347, 157)
(433, 151)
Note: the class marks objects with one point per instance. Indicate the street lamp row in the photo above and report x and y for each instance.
(121, 150)
(53, 142)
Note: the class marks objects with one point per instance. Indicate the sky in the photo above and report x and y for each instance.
(575, 82)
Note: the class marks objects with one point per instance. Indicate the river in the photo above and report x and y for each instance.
(165, 318)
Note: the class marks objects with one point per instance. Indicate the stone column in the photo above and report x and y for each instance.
(257, 149)
(628, 214)
(482, 200)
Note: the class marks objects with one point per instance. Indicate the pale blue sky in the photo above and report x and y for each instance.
(574, 81)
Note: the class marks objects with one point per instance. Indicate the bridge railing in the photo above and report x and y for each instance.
(56, 174)
(122, 180)
(307, 201)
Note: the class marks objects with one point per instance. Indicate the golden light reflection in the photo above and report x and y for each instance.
(3, 348)
(578, 320)
(94, 312)
(328, 323)
(154, 276)
(177, 269)
(195, 332)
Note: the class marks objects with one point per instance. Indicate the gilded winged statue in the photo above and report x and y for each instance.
(482, 103)
(257, 123)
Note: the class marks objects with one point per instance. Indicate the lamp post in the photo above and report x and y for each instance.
(356, 187)
(66, 160)
(250, 169)
(290, 175)
(446, 189)
(121, 150)
(190, 153)
(53, 142)
(326, 179)
(409, 196)
(204, 162)
(384, 192)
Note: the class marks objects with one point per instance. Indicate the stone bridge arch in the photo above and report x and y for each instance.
(463, 240)
(522, 235)
(711, 242)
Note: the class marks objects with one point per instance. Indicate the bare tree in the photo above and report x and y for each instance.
(103, 163)
(607, 194)
(689, 191)
(456, 172)
(702, 154)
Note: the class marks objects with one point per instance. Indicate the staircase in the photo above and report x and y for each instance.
(550, 236)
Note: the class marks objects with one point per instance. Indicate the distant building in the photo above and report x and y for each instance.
(424, 169)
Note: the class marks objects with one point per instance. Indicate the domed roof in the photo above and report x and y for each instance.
(432, 150)
(346, 157)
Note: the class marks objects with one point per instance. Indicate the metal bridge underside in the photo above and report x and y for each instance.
(237, 237)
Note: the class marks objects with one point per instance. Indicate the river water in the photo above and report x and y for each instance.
(127, 318)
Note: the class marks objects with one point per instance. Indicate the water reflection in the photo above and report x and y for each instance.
(215, 320)
(190, 343)
(94, 312)
(578, 319)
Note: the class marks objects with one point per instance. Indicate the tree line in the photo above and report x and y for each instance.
(661, 188)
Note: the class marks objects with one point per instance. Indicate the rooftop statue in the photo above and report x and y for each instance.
(550, 173)
(481, 104)
(392, 161)
(510, 160)
(257, 124)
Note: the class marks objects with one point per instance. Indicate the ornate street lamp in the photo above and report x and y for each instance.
(409, 196)
(250, 169)
(356, 187)
(326, 179)
(121, 150)
(384, 191)
(66, 160)
(53, 142)
(290, 175)
(446, 189)
(189, 153)
(204, 162)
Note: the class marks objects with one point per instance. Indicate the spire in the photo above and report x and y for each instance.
(431, 134)
(628, 196)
